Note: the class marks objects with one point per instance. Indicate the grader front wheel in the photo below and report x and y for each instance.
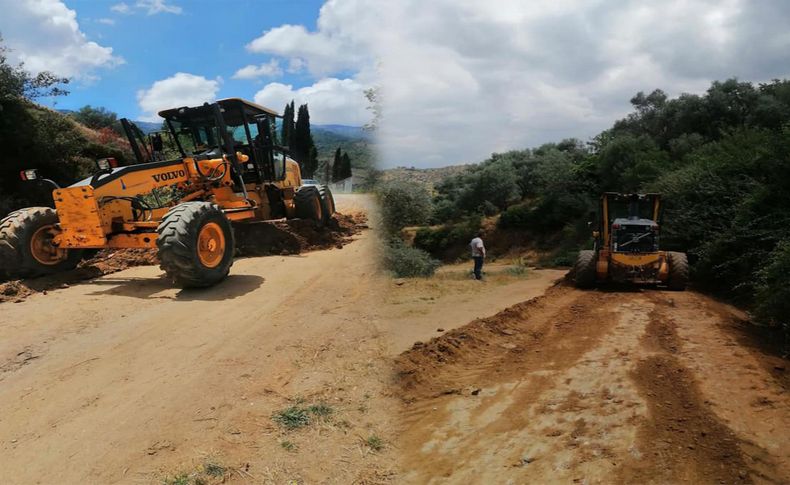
(196, 245)
(26, 244)
(584, 269)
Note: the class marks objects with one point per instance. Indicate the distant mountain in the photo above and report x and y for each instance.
(343, 130)
(351, 139)
(148, 126)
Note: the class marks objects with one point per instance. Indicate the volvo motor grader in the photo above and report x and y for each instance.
(221, 166)
(626, 245)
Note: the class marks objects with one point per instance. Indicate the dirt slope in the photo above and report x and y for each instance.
(596, 387)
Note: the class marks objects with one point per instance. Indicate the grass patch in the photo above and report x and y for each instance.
(214, 469)
(289, 445)
(517, 270)
(297, 416)
(375, 443)
(322, 410)
(182, 479)
(293, 417)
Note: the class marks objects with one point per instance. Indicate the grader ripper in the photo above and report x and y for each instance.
(226, 169)
(626, 246)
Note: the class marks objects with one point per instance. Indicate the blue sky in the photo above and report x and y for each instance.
(207, 39)
(136, 57)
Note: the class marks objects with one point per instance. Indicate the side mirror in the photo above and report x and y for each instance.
(106, 163)
(29, 175)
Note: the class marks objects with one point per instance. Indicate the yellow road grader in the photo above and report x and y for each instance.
(626, 246)
(222, 166)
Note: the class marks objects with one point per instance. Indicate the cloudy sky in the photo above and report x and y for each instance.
(460, 79)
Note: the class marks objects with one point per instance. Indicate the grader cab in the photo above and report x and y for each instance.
(221, 167)
(626, 246)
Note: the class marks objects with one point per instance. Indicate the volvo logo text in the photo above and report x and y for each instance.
(161, 177)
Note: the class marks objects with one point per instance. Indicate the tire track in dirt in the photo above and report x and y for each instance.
(575, 387)
(741, 385)
(500, 395)
(681, 439)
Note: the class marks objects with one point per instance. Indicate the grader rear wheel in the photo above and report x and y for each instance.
(309, 205)
(195, 244)
(26, 244)
(678, 271)
(327, 202)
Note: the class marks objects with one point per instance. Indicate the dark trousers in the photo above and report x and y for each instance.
(478, 267)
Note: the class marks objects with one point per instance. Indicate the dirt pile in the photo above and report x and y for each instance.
(258, 239)
(297, 236)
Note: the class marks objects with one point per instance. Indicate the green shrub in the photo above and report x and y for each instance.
(444, 241)
(773, 290)
(403, 204)
(406, 262)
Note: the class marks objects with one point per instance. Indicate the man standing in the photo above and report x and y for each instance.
(478, 254)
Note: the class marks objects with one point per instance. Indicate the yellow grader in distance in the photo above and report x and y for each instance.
(228, 170)
(626, 246)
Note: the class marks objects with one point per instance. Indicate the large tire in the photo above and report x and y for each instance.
(308, 204)
(678, 271)
(196, 244)
(327, 202)
(26, 249)
(584, 269)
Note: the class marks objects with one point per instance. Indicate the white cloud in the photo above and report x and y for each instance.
(331, 100)
(153, 7)
(45, 36)
(106, 21)
(340, 42)
(121, 8)
(295, 65)
(270, 69)
(463, 78)
(181, 89)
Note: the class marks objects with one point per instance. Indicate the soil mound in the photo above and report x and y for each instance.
(255, 239)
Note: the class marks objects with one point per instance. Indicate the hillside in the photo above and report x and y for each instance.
(426, 177)
(351, 139)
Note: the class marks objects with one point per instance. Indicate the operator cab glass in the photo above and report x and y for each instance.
(242, 127)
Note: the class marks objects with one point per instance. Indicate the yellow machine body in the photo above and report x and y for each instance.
(640, 266)
(88, 222)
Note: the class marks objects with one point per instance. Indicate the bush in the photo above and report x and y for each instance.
(441, 241)
(406, 262)
(403, 204)
(773, 289)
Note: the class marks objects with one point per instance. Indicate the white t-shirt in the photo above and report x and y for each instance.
(477, 247)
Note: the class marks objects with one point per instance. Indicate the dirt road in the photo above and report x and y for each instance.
(596, 387)
(304, 369)
(126, 379)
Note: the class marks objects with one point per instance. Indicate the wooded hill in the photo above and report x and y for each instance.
(721, 160)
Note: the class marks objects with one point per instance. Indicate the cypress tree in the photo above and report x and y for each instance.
(302, 146)
(336, 166)
(346, 164)
(287, 129)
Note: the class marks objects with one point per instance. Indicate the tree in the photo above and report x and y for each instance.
(96, 118)
(336, 166)
(345, 167)
(302, 145)
(16, 83)
(373, 96)
(286, 132)
(403, 204)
